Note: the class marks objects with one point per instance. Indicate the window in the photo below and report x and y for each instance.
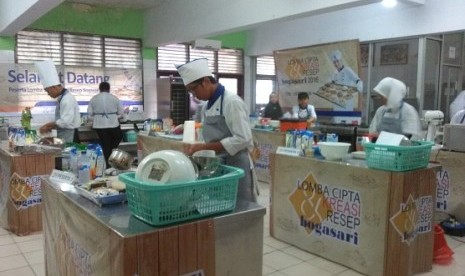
(265, 81)
(78, 50)
(226, 64)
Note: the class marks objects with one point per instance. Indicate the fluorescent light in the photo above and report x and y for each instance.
(389, 3)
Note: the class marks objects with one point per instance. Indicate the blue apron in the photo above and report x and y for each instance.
(214, 130)
(64, 133)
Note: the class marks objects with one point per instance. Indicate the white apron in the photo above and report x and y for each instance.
(64, 133)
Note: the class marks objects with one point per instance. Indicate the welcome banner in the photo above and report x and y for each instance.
(312, 70)
(20, 85)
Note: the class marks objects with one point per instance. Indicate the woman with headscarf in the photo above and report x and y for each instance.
(395, 115)
(273, 109)
(457, 109)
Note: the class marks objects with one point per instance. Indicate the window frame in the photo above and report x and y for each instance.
(68, 37)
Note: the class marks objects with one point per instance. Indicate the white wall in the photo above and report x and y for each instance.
(15, 15)
(186, 20)
(366, 23)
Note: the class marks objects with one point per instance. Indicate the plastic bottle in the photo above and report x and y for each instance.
(100, 163)
(26, 117)
(73, 161)
(84, 168)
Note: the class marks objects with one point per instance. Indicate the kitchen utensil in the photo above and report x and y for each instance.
(207, 166)
(120, 159)
(334, 150)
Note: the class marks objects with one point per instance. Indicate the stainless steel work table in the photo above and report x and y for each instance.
(82, 237)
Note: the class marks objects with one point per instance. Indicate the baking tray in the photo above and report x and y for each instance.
(102, 200)
(330, 100)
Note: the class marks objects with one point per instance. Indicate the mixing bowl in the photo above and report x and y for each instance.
(165, 167)
(121, 160)
(334, 150)
(207, 165)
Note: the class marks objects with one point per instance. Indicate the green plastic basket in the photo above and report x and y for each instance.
(398, 158)
(161, 204)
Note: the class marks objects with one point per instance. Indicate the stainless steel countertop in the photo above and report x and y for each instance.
(118, 218)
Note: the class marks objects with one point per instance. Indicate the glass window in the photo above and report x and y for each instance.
(226, 64)
(230, 84)
(265, 82)
(78, 50)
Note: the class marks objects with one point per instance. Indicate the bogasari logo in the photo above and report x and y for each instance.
(323, 210)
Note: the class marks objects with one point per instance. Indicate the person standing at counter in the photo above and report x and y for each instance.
(67, 116)
(105, 111)
(457, 109)
(273, 108)
(225, 122)
(304, 110)
(395, 115)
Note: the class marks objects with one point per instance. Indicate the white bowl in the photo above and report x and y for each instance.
(334, 150)
(274, 123)
(166, 166)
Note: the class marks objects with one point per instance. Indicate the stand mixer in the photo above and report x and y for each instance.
(434, 119)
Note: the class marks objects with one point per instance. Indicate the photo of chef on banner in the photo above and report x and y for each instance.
(329, 73)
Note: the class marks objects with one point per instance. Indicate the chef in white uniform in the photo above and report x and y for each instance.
(67, 116)
(105, 111)
(457, 109)
(344, 75)
(395, 115)
(225, 122)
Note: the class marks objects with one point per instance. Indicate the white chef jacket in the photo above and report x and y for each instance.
(237, 119)
(458, 104)
(304, 113)
(459, 118)
(70, 118)
(105, 110)
(347, 77)
(410, 120)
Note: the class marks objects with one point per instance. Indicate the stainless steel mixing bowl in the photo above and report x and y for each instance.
(121, 160)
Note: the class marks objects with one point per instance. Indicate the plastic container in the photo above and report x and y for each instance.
(130, 136)
(84, 168)
(292, 124)
(398, 158)
(160, 204)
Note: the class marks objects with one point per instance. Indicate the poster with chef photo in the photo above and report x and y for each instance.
(21, 86)
(328, 73)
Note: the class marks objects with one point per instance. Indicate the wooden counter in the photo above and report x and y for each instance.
(376, 222)
(84, 239)
(20, 189)
(267, 142)
(450, 192)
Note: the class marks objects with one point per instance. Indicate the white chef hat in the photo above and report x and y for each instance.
(336, 55)
(47, 73)
(194, 70)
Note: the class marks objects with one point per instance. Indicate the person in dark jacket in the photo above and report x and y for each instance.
(273, 109)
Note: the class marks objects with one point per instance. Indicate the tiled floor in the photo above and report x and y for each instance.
(24, 256)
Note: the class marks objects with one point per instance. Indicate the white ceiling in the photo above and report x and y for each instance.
(133, 4)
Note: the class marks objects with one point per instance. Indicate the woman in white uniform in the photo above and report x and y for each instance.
(395, 115)
(225, 122)
(457, 109)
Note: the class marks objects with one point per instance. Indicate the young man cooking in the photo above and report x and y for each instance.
(67, 116)
(225, 122)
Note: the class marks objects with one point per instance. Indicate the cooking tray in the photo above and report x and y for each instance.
(102, 200)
